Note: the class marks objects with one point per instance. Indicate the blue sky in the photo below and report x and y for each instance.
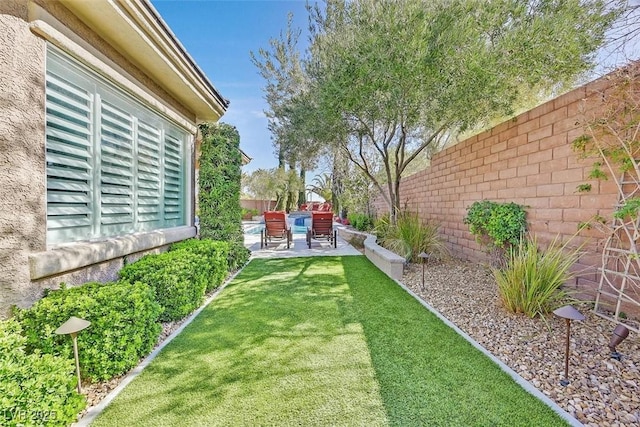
(219, 35)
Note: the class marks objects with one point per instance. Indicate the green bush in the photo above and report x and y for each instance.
(496, 224)
(361, 222)
(410, 236)
(531, 281)
(238, 255)
(219, 182)
(123, 327)
(216, 257)
(35, 389)
(178, 277)
(381, 226)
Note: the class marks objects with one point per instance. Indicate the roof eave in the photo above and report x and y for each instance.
(136, 30)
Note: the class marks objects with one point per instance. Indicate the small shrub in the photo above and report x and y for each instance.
(35, 389)
(178, 277)
(410, 236)
(216, 258)
(361, 222)
(496, 224)
(381, 226)
(238, 255)
(531, 281)
(123, 327)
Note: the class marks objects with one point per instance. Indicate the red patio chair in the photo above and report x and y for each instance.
(322, 228)
(276, 227)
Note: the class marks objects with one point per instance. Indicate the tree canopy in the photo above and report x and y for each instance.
(386, 81)
(390, 78)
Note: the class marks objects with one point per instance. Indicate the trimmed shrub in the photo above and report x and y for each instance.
(219, 182)
(361, 222)
(215, 254)
(35, 389)
(238, 255)
(496, 224)
(123, 327)
(178, 277)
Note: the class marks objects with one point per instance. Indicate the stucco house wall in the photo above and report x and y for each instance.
(154, 69)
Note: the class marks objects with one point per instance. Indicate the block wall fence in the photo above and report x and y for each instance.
(528, 160)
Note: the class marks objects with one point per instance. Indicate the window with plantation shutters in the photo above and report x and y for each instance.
(113, 166)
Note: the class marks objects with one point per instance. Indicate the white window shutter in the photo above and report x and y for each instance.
(173, 181)
(69, 158)
(116, 170)
(148, 177)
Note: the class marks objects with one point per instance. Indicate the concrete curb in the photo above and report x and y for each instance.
(517, 378)
(92, 413)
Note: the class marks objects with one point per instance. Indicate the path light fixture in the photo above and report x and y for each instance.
(72, 327)
(568, 313)
(424, 257)
(619, 334)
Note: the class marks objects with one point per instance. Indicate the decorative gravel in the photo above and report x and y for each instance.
(602, 391)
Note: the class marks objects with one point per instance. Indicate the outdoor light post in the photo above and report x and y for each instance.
(424, 257)
(568, 313)
(72, 327)
(619, 334)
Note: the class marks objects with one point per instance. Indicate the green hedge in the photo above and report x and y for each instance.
(178, 277)
(35, 389)
(216, 255)
(123, 327)
(238, 255)
(219, 183)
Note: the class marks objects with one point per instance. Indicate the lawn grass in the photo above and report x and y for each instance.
(321, 341)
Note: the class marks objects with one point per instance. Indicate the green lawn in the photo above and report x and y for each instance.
(321, 341)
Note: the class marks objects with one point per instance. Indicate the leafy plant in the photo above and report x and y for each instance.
(215, 255)
(410, 236)
(360, 221)
(531, 281)
(35, 389)
(381, 226)
(219, 181)
(123, 327)
(238, 255)
(496, 224)
(178, 277)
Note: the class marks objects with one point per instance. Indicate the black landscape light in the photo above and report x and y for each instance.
(424, 257)
(72, 327)
(568, 313)
(619, 334)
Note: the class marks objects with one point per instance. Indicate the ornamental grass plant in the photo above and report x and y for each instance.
(410, 236)
(531, 281)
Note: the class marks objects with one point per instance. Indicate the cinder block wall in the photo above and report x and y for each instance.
(527, 160)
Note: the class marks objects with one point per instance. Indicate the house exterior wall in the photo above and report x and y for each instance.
(527, 160)
(27, 265)
(22, 153)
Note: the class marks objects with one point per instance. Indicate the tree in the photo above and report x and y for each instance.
(281, 68)
(321, 185)
(387, 79)
(270, 184)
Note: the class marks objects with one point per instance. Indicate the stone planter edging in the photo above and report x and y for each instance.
(390, 263)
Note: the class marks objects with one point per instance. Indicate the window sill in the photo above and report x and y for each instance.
(62, 259)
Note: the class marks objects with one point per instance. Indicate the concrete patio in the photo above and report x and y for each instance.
(298, 247)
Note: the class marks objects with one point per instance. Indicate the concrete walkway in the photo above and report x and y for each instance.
(298, 247)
